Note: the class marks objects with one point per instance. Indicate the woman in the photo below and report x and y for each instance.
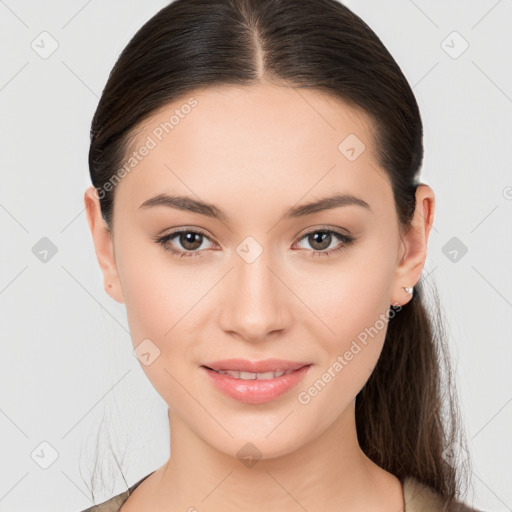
(256, 204)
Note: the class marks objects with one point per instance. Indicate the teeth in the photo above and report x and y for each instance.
(253, 376)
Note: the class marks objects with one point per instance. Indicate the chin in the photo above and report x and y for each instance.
(268, 440)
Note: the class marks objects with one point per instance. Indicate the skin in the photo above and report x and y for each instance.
(254, 152)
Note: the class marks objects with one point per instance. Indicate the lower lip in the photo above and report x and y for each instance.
(256, 391)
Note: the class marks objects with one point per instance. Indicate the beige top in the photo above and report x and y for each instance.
(417, 498)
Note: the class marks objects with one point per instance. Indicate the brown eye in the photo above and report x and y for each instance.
(183, 243)
(320, 240)
(190, 240)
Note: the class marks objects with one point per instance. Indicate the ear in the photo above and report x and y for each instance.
(414, 245)
(103, 245)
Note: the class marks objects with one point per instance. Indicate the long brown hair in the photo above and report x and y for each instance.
(407, 418)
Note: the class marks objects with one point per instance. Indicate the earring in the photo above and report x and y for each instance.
(408, 289)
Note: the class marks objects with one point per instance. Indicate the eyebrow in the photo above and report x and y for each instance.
(210, 210)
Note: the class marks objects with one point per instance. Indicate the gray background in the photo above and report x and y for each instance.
(68, 374)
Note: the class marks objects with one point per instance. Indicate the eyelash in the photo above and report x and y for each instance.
(347, 240)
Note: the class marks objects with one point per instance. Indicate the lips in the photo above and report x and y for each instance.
(265, 366)
(253, 376)
(243, 387)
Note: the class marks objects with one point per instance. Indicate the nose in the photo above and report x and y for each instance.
(254, 303)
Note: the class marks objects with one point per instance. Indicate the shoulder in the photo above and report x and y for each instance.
(419, 497)
(115, 503)
(112, 505)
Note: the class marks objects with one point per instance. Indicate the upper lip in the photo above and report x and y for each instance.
(244, 365)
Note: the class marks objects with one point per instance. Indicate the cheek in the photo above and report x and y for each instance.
(157, 301)
(149, 313)
(353, 305)
(350, 298)
(158, 292)
(165, 305)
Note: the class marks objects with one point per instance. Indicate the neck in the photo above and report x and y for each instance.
(330, 473)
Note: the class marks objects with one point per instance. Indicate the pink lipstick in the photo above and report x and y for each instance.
(255, 382)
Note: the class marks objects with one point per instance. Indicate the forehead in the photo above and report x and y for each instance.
(248, 140)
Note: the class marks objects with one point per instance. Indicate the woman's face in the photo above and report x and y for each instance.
(252, 284)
